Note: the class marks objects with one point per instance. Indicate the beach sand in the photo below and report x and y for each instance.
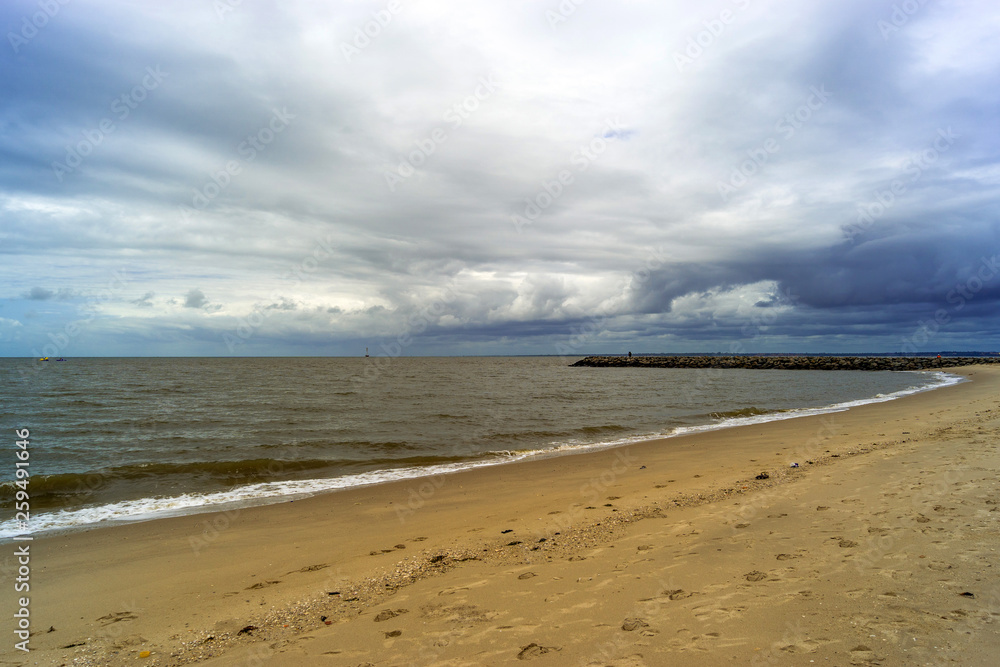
(882, 550)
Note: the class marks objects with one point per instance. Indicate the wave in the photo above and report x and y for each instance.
(242, 496)
(360, 445)
(606, 428)
(266, 492)
(82, 401)
(940, 379)
(568, 434)
(752, 411)
(223, 472)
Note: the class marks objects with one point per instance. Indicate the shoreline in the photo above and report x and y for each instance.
(180, 580)
(307, 488)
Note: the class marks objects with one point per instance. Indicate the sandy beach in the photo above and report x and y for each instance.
(880, 548)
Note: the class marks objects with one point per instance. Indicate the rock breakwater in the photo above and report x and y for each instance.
(789, 363)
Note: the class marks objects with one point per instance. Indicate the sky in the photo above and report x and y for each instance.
(421, 177)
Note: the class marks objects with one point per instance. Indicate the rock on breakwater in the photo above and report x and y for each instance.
(789, 363)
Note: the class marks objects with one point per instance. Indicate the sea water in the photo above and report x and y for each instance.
(131, 439)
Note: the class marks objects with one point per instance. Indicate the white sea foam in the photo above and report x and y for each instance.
(263, 493)
(273, 492)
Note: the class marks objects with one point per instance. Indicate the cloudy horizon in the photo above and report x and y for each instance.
(234, 178)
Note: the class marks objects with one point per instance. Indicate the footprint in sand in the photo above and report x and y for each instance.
(309, 568)
(863, 655)
(117, 617)
(805, 646)
(630, 624)
(386, 614)
(756, 575)
(628, 661)
(711, 613)
(940, 566)
(678, 594)
(462, 615)
(534, 650)
(452, 590)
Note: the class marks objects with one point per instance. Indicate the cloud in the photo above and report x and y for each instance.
(43, 294)
(195, 299)
(800, 174)
(39, 294)
(283, 304)
(145, 301)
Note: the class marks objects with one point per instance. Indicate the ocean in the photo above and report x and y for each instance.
(133, 439)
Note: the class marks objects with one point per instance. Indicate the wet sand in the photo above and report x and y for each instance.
(879, 548)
